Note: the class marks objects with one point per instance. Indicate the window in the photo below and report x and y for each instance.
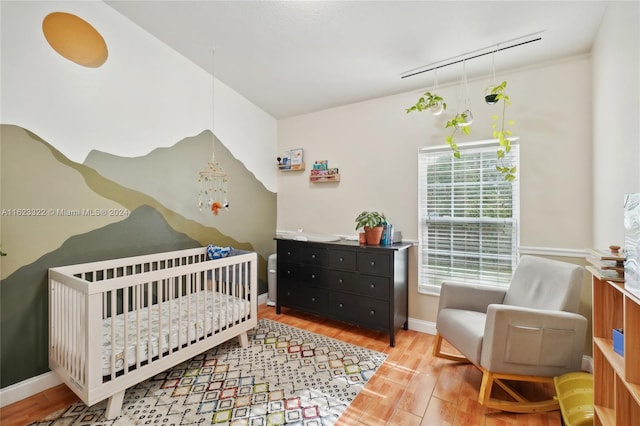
(469, 218)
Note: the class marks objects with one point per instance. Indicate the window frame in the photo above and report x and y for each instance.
(514, 220)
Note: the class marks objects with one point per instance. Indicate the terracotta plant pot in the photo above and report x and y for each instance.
(373, 235)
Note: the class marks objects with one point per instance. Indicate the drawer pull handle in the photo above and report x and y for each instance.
(341, 259)
(373, 285)
(288, 272)
(288, 293)
(372, 312)
(288, 253)
(341, 305)
(373, 263)
(313, 276)
(313, 299)
(313, 256)
(340, 280)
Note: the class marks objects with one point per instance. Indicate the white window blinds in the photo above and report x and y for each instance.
(468, 216)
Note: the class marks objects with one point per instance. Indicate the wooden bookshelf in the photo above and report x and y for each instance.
(291, 168)
(616, 377)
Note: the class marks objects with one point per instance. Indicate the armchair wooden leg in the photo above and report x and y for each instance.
(521, 404)
(437, 351)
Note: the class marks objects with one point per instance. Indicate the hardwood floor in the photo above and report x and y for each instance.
(412, 388)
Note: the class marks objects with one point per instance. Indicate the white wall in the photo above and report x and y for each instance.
(375, 145)
(145, 96)
(616, 136)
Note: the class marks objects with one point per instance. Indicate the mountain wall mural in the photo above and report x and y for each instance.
(59, 212)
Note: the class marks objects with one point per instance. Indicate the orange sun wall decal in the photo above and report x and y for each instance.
(75, 39)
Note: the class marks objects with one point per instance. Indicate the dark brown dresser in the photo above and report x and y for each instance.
(345, 281)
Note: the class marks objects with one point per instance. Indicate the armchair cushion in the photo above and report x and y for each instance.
(545, 284)
(464, 329)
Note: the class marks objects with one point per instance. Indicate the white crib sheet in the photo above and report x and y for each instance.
(222, 308)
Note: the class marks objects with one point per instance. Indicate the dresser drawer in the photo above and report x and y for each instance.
(314, 275)
(373, 312)
(289, 252)
(288, 272)
(343, 280)
(300, 296)
(374, 263)
(342, 259)
(359, 310)
(312, 255)
(374, 286)
(288, 293)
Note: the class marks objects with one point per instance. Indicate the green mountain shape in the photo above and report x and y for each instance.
(131, 199)
(37, 193)
(171, 176)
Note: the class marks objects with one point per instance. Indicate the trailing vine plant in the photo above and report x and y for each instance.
(501, 132)
(459, 122)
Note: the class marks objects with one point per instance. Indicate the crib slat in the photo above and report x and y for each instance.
(138, 304)
(125, 316)
(149, 334)
(180, 294)
(159, 310)
(213, 272)
(170, 307)
(187, 337)
(196, 281)
(113, 335)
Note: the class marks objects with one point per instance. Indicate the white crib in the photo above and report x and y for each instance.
(115, 323)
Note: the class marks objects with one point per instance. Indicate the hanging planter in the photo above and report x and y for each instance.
(462, 121)
(491, 98)
(465, 119)
(501, 132)
(430, 100)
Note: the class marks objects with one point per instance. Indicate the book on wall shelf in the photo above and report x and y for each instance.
(601, 254)
(291, 160)
(606, 264)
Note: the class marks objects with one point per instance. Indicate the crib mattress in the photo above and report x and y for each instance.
(215, 311)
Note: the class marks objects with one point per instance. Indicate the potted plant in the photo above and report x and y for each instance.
(500, 131)
(430, 101)
(372, 223)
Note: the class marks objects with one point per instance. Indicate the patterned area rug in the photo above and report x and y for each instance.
(286, 376)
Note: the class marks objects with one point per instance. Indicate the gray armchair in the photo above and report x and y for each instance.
(528, 332)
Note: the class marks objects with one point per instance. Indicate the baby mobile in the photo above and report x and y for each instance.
(214, 187)
(214, 182)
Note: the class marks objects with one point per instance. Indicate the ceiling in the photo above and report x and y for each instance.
(296, 57)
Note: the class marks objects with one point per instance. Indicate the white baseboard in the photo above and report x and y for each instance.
(262, 298)
(422, 326)
(27, 388)
(587, 363)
